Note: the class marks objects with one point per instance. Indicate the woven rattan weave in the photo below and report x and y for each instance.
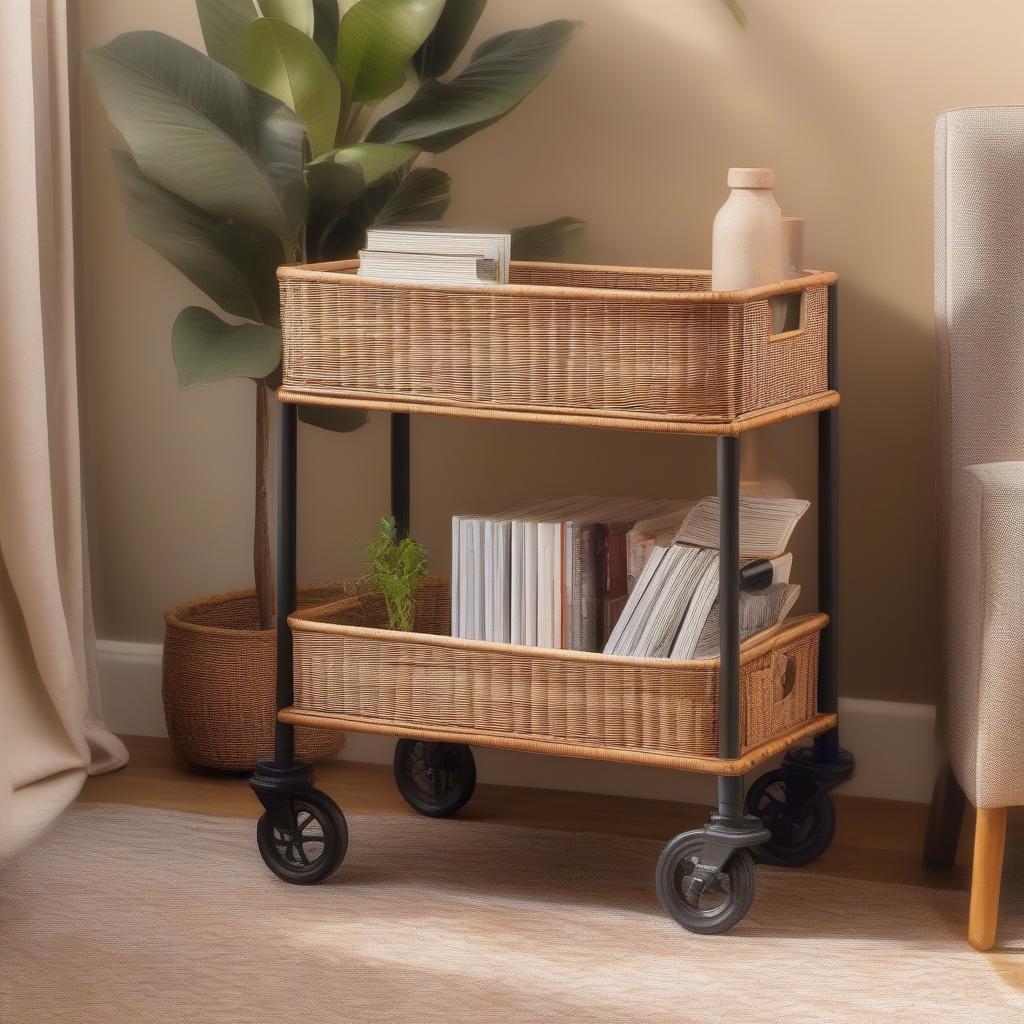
(600, 346)
(641, 710)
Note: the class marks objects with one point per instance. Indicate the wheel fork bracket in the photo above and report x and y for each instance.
(275, 787)
(722, 837)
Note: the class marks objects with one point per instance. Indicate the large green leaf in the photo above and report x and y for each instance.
(282, 61)
(326, 19)
(207, 349)
(378, 39)
(374, 160)
(501, 74)
(545, 242)
(224, 23)
(422, 195)
(450, 35)
(297, 13)
(335, 418)
(235, 264)
(197, 129)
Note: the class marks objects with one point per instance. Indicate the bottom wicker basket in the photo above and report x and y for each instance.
(653, 711)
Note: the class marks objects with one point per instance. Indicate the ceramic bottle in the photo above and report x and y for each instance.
(747, 238)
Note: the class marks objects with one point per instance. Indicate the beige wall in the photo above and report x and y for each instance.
(634, 131)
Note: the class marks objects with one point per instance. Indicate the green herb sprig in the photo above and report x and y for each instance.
(396, 566)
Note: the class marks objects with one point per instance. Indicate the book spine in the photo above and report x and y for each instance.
(477, 575)
(516, 583)
(489, 582)
(600, 579)
(455, 577)
(585, 617)
(615, 590)
(570, 585)
(530, 584)
(558, 585)
(505, 574)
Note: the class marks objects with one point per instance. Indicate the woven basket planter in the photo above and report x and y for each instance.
(219, 682)
(647, 711)
(599, 346)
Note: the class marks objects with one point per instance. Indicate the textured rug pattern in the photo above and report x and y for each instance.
(129, 915)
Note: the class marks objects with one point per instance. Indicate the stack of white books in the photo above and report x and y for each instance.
(672, 610)
(429, 256)
(546, 574)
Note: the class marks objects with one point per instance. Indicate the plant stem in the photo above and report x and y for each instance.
(357, 123)
(263, 568)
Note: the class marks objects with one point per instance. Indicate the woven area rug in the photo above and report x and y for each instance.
(130, 915)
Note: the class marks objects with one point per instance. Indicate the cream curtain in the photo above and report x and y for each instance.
(51, 734)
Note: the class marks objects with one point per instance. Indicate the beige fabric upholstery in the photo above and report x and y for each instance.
(979, 315)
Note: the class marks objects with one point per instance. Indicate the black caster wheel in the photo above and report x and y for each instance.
(437, 779)
(717, 908)
(313, 848)
(800, 817)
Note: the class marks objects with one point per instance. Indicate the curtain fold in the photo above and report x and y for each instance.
(51, 731)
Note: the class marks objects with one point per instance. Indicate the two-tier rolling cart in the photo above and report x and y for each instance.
(617, 348)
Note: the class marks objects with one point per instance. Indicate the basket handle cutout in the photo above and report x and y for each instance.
(785, 676)
(789, 315)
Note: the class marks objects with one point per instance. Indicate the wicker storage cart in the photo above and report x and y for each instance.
(619, 348)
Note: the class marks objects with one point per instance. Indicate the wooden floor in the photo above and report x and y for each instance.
(875, 839)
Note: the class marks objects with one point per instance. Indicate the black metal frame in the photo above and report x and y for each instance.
(276, 781)
(824, 765)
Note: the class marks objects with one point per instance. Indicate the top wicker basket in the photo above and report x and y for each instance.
(615, 347)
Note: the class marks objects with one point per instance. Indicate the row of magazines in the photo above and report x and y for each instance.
(624, 576)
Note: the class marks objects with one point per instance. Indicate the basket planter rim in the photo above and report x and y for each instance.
(177, 616)
(768, 640)
(339, 272)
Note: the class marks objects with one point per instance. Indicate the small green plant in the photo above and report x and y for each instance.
(397, 564)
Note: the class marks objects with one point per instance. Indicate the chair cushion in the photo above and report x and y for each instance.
(984, 634)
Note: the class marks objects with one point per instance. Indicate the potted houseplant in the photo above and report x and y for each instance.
(284, 142)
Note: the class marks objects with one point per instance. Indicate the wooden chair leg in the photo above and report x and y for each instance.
(986, 876)
(944, 820)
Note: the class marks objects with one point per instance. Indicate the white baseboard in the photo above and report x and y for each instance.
(894, 743)
(130, 687)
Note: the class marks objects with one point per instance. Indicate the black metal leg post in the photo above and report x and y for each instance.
(276, 781)
(730, 788)
(287, 527)
(729, 829)
(400, 489)
(829, 764)
(826, 746)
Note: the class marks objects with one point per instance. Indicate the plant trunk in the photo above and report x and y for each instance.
(263, 567)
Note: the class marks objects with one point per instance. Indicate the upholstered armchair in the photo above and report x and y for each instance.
(979, 322)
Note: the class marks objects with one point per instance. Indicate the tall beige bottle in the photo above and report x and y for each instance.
(747, 247)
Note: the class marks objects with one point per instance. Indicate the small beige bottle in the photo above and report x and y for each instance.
(747, 238)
